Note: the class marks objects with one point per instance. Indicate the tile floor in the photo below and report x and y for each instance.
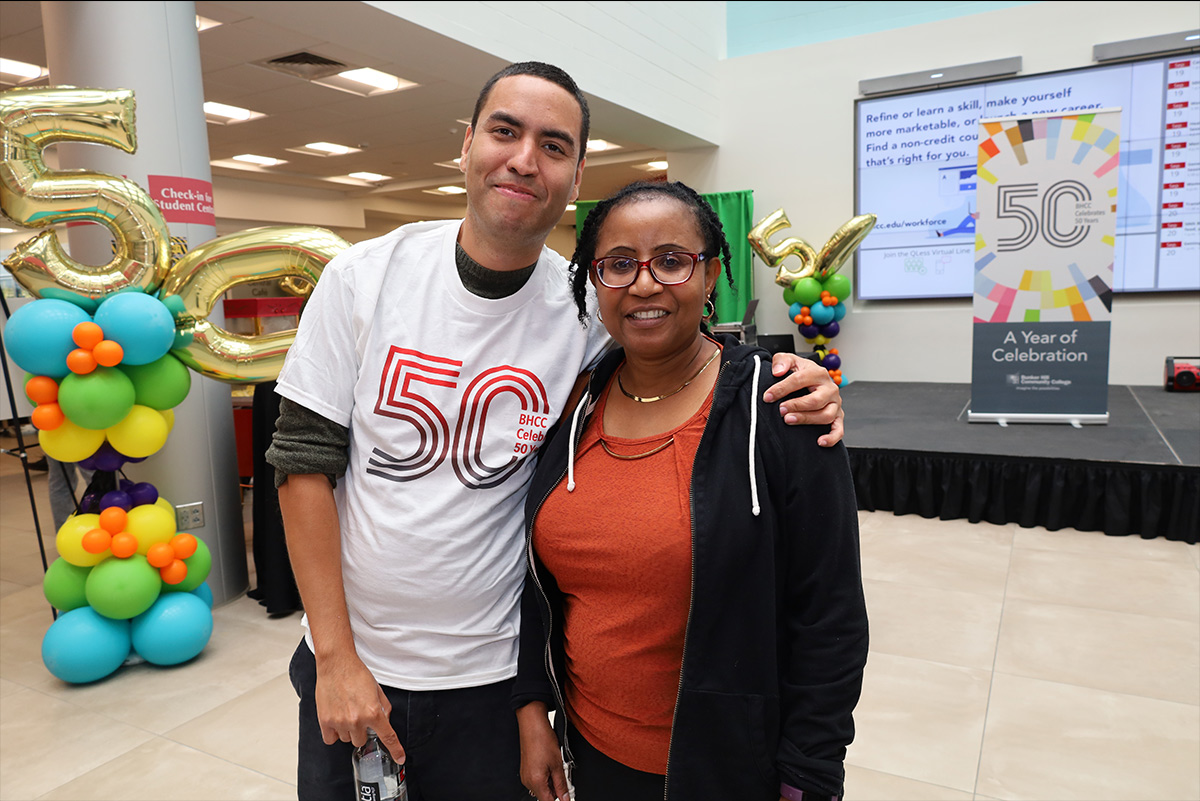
(1006, 663)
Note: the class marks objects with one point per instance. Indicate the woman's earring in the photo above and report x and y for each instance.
(709, 308)
(598, 316)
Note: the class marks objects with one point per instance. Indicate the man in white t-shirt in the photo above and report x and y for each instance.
(428, 366)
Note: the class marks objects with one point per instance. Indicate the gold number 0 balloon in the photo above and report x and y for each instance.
(37, 197)
(201, 277)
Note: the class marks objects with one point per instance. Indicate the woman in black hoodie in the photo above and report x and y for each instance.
(693, 560)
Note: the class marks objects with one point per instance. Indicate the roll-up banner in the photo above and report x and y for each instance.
(1047, 204)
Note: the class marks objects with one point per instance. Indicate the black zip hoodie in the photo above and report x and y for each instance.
(776, 637)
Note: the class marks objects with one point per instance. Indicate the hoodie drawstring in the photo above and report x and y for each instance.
(754, 507)
(571, 443)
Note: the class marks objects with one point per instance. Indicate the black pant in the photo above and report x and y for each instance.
(597, 777)
(460, 745)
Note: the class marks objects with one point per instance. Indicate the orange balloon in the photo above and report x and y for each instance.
(97, 541)
(80, 361)
(160, 554)
(174, 572)
(108, 353)
(113, 520)
(42, 389)
(124, 545)
(184, 545)
(47, 417)
(87, 335)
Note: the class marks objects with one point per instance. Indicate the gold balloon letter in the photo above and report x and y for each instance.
(202, 276)
(36, 197)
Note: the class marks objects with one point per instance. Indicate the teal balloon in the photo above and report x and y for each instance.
(839, 311)
(808, 291)
(789, 294)
(821, 314)
(139, 323)
(83, 646)
(162, 384)
(172, 631)
(97, 400)
(123, 588)
(198, 566)
(38, 336)
(63, 585)
(175, 306)
(204, 594)
(838, 285)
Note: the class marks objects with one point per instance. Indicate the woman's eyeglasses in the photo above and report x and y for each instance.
(618, 272)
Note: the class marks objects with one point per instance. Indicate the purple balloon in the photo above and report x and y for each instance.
(117, 498)
(830, 329)
(89, 504)
(808, 331)
(143, 493)
(831, 362)
(107, 459)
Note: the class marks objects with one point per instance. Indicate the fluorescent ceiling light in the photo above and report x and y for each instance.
(324, 149)
(450, 165)
(366, 82)
(8, 230)
(651, 166)
(446, 190)
(262, 161)
(204, 23)
(20, 72)
(599, 145)
(570, 207)
(1193, 37)
(222, 114)
(937, 75)
(372, 177)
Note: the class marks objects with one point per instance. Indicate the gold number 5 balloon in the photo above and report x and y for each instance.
(37, 197)
(820, 264)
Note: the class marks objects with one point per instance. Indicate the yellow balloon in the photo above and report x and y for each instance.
(165, 504)
(70, 442)
(143, 432)
(69, 540)
(150, 524)
(199, 280)
(33, 118)
(169, 416)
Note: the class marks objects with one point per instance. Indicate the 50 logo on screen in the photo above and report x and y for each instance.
(409, 376)
(1010, 205)
(33, 196)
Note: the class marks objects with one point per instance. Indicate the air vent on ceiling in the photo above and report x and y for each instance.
(308, 66)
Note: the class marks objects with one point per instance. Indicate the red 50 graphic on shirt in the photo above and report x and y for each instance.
(406, 383)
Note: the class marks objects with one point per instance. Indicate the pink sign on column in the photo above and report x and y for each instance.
(183, 200)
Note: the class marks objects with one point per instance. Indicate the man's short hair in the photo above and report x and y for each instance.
(548, 72)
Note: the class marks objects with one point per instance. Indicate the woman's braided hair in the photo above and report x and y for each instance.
(585, 249)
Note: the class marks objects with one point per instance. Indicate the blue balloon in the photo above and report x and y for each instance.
(839, 311)
(83, 645)
(794, 311)
(38, 336)
(175, 629)
(204, 593)
(821, 314)
(139, 323)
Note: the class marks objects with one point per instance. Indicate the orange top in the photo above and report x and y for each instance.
(620, 547)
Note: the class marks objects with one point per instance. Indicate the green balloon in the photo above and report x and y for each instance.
(97, 400)
(838, 285)
(807, 291)
(123, 588)
(789, 294)
(63, 585)
(162, 384)
(198, 566)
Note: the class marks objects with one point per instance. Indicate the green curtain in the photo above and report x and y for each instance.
(735, 210)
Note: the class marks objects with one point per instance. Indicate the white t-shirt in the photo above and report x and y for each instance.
(447, 396)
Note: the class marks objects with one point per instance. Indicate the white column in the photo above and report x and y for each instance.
(153, 48)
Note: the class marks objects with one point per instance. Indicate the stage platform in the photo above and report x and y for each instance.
(913, 452)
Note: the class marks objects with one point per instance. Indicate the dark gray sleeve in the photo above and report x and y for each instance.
(306, 443)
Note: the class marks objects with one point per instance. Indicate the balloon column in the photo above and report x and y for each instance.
(816, 292)
(108, 353)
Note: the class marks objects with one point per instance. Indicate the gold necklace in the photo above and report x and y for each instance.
(630, 458)
(682, 386)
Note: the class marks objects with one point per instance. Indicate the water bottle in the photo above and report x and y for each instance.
(377, 777)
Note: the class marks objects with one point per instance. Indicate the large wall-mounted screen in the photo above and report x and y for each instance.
(915, 170)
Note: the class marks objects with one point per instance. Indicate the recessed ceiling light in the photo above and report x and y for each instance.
(599, 145)
(222, 114)
(366, 82)
(937, 75)
(204, 23)
(261, 161)
(19, 72)
(446, 190)
(450, 165)
(371, 177)
(570, 207)
(324, 149)
(8, 230)
(651, 166)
